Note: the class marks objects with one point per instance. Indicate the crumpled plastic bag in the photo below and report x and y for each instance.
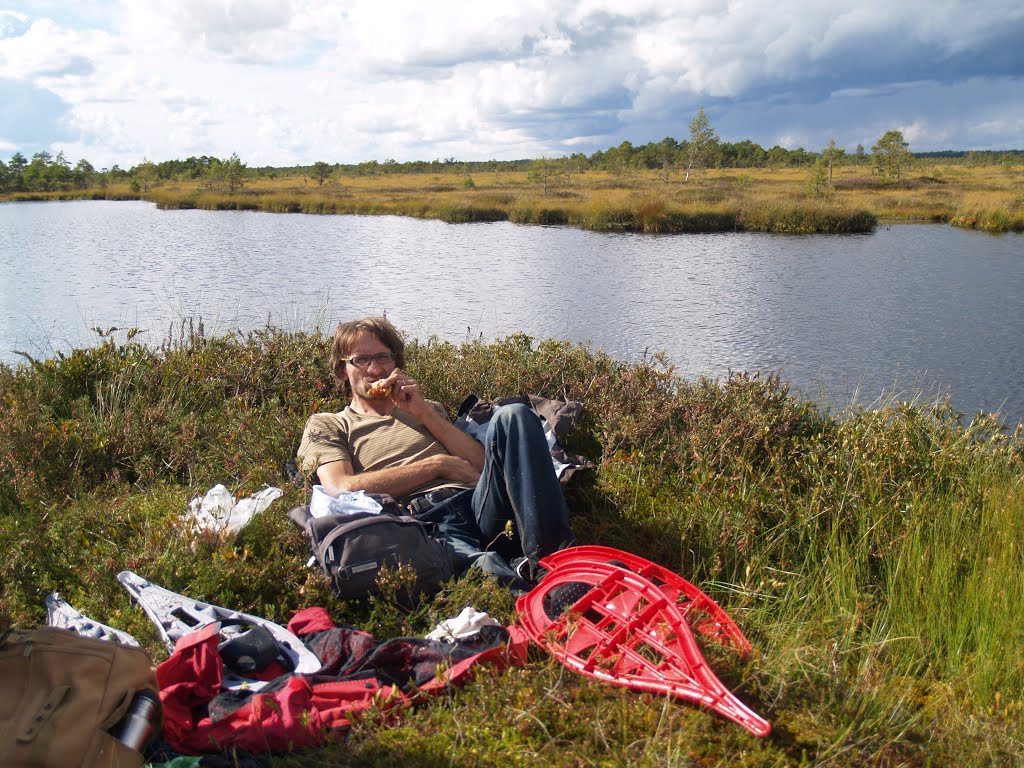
(220, 513)
(346, 503)
(467, 623)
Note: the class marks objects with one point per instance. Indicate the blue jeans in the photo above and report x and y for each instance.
(517, 484)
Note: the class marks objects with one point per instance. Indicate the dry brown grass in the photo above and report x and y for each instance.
(989, 196)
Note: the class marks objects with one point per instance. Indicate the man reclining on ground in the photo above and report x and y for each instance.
(391, 440)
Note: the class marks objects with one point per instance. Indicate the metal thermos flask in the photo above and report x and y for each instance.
(141, 723)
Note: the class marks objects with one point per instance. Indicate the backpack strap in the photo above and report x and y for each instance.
(300, 516)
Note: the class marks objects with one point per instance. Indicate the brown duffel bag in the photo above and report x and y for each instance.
(63, 696)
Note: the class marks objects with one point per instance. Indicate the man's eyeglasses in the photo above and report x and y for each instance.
(361, 361)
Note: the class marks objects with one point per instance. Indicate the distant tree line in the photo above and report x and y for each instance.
(619, 160)
(45, 172)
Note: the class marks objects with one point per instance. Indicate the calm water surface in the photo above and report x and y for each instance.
(908, 308)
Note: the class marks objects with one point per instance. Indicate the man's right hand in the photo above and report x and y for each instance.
(404, 392)
(458, 470)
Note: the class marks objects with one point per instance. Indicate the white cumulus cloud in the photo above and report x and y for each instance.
(293, 81)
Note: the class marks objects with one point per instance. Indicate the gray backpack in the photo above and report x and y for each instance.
(352, 549)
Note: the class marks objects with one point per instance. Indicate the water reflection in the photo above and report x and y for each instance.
(923, 305)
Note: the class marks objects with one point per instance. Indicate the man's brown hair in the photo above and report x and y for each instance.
(345, 335)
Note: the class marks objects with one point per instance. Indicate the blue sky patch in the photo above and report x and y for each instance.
(32, 117)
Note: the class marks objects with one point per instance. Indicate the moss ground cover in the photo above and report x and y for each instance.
(873, 557)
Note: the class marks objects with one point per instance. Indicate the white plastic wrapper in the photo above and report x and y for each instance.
(219, 512)
(322, 503)
(467, 623)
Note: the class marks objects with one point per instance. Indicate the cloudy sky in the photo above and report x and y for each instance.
(285, 82)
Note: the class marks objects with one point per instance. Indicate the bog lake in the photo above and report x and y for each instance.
(909, 310)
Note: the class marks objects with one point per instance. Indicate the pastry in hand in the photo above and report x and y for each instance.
(379, 390)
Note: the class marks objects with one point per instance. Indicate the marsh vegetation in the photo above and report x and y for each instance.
(873, 557)
(625, 189)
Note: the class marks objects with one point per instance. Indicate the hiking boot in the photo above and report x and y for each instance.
(521, 565)
(563, 597)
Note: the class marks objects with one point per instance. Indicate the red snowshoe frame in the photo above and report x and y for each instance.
(631, 626)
